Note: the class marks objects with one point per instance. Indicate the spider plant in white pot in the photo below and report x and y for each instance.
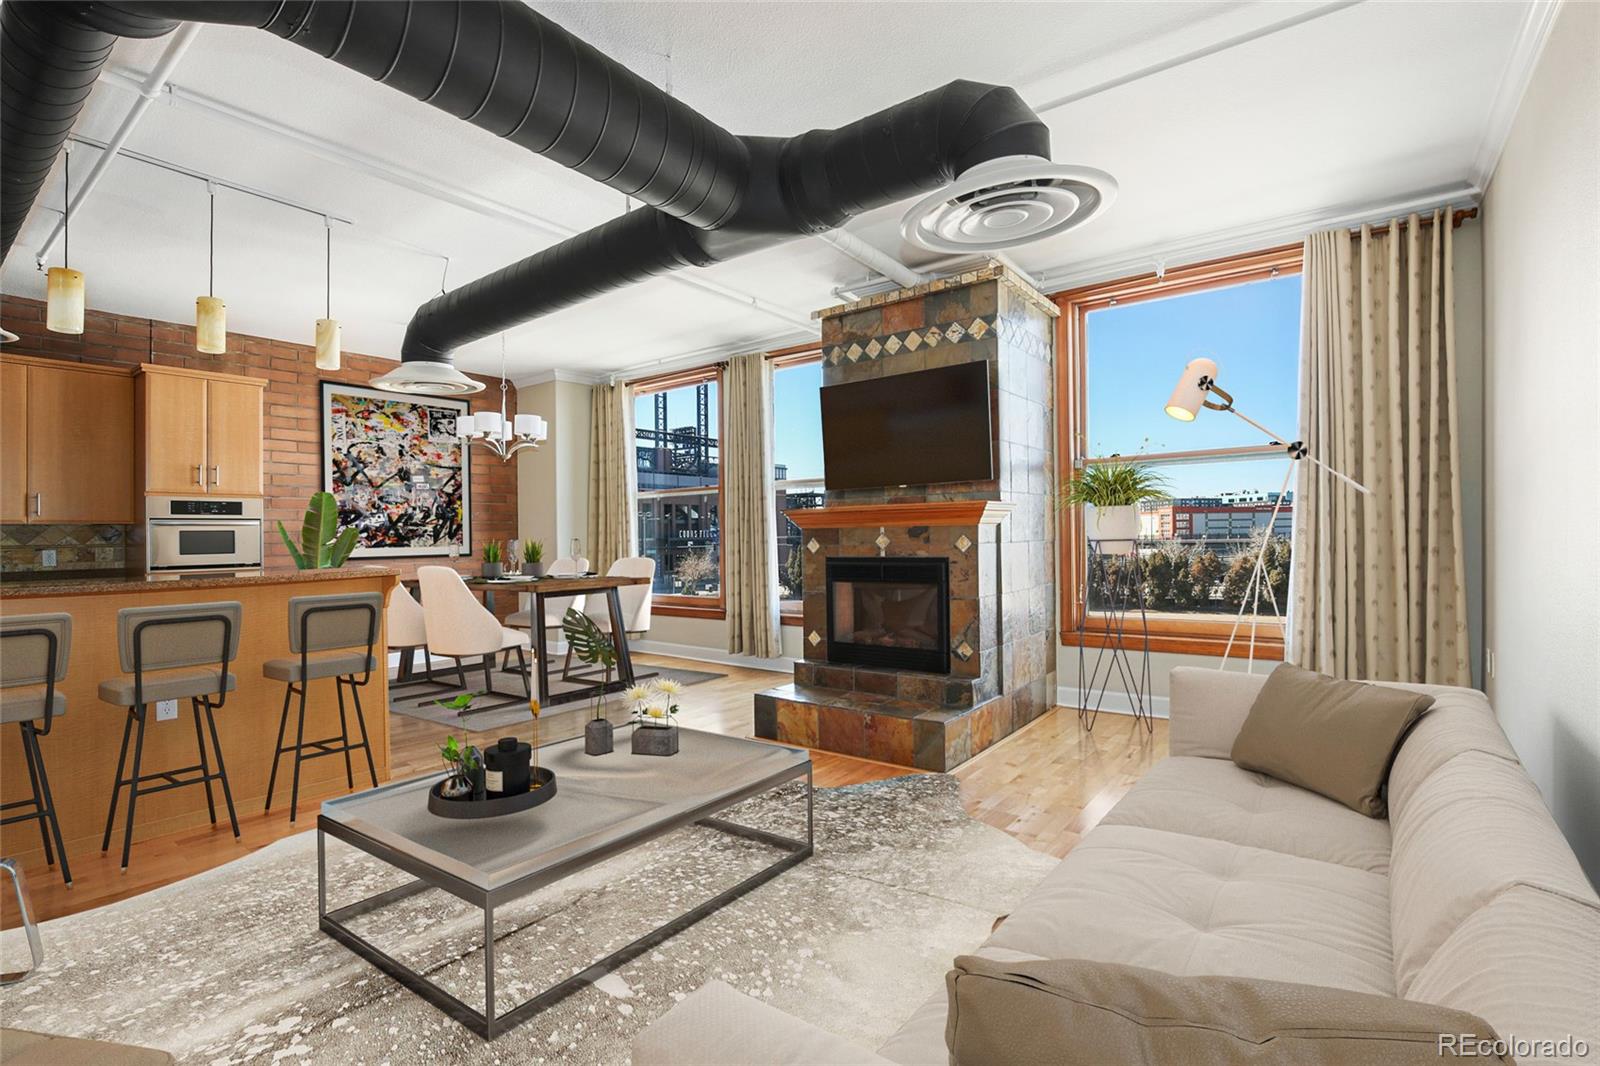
(1112, 492)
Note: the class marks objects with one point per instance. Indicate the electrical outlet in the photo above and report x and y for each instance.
(47, 557)
(166, 710)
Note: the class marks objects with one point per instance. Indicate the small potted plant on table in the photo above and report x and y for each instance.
(493, 567)
(655, 718)
(1113, 492)
(533, 559)
(593, 648)
(466, 779)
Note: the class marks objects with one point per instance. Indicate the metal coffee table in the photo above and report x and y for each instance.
(604, 806)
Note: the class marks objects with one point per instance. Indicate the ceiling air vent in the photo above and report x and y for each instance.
(1007, 202)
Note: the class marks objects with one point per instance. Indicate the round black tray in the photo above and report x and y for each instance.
(493, 808)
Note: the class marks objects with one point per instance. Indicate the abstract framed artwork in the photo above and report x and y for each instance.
(398, 471)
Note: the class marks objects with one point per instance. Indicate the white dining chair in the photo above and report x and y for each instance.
(459, 627)
(406, 631)
(555, 608)
(634, 600)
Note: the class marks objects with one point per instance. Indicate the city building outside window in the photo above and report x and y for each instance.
(1121, 347)
(677, 427)
(797, 459)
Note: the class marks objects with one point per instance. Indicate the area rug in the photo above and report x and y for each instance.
(229, 968)
(423, 700)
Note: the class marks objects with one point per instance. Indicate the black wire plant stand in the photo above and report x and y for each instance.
(1119, 577)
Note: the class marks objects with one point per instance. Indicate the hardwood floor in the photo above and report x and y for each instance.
(1047, 785)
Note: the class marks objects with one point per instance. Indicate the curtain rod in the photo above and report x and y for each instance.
(1457, 217)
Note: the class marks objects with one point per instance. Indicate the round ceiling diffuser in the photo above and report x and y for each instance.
(425, 378)
(1007, 202)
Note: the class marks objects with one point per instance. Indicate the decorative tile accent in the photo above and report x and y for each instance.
(933, 336)
(913, 341)
(978, 329)
(873, 348)
(812, 545)
(892, 345)
(964, 650)
(955, 332)
(882, 541)
(813, 638)
(963, 543)
(853, 352)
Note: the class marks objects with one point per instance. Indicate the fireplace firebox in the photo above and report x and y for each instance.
(889, 612)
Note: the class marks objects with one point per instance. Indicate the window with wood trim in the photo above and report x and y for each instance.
(797, 462)
(677, 430)
(1122, 346)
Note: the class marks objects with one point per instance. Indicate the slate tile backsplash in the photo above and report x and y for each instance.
(77, 547)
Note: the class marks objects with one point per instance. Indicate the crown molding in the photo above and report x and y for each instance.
(544, 377)
(1254, 237)
(1537, 23)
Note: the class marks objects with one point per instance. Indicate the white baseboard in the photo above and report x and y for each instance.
(783, 664)
(1114, 702)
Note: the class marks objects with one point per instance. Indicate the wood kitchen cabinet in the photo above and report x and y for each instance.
(200, 433)
(68, 440)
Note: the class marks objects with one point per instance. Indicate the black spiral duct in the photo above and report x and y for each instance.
(709, 195)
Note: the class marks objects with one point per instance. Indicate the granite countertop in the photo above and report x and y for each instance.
(37, 585)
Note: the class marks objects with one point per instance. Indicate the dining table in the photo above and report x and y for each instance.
(544, 588)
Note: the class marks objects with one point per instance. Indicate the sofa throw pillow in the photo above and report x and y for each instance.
(1062, 1012)
(1335, 738)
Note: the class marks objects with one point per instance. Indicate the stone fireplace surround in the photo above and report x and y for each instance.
(996, 537)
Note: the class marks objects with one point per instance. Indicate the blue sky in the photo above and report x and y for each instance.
(1136, 352)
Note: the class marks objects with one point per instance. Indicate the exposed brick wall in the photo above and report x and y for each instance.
(293, 409)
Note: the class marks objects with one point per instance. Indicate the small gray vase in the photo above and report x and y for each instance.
(597, 737)
(493, 570)
(655, 740)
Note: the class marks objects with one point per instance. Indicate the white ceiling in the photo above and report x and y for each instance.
(1216, 118)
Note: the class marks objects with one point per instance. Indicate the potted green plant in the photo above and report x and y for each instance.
(655, 718)
(533, 559)
(1113, 492)
(465, 764)
(594, 648)
(493, 567)
(323, 546)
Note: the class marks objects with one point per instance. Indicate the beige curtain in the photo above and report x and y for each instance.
(1378, 579)
(749, 550)
(612, 477)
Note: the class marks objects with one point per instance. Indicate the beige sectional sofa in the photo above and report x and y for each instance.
(1466, 896)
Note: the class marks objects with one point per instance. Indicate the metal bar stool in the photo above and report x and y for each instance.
(34, 649)
(174, 653)
(325, 633)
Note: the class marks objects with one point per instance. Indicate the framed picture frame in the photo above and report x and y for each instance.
(397, 470)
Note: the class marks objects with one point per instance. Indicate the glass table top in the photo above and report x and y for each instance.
(603, 804)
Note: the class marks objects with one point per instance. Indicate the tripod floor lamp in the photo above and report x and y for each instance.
(1195, 389)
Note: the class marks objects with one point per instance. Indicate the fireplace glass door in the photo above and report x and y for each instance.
(891, 613)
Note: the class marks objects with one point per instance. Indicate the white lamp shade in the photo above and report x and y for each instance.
(64, 300)
(328, 343)
(489, 423)
(210, 325)
(464, 426)
(527, 425)
(1189, 397)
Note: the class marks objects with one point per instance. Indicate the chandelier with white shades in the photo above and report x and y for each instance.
(504, 435)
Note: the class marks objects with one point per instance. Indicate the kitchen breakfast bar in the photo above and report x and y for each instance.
(84, 744)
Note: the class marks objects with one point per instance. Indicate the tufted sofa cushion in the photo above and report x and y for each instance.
(1217, 799)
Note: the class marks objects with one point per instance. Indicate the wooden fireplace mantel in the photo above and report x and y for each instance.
(937, 513)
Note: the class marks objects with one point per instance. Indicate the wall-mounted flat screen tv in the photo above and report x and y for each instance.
(926, 427)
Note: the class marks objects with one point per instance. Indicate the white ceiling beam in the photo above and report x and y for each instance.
(148, 89)
(1168, 52)
(354, 159)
